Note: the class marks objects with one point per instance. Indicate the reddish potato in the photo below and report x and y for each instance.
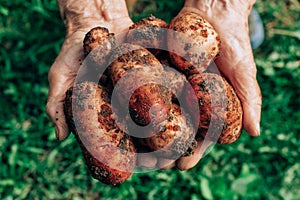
(149, 33)
(218, 104)
(140, 77)
(108, 152)
(193, 43)
(174, 137)
(98, 44)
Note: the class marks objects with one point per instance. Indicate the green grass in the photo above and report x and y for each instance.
(33, 165)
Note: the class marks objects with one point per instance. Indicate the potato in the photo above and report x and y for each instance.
(175, 82)
(149, 101)
(108, 151)
(218, 105)
(193, 43)
(174, 136)
(98, 44)
(149, 33)
(151, 91)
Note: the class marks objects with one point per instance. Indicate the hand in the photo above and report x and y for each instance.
(236, 62)
(80, 16)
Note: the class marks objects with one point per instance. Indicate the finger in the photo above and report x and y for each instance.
(164, 163)
(188, 162)
(248, 92)
(236, 63)
(56, 113)
(147, 160)
(59, 83)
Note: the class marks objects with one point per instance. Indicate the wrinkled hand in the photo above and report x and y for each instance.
(236, 62)
(81, 16)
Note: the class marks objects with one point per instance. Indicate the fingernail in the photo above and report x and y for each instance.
(57, 132)
(257, 127)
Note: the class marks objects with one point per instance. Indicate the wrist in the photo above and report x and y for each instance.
(218, 7)
(82, 15)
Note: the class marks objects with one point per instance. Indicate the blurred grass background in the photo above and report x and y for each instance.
(33, 165)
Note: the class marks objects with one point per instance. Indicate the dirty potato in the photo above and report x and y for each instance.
(108, 151)
(173, 137)
(98, 44)
(193, 43)
(220, 117)
(138, 75)
(149, 33)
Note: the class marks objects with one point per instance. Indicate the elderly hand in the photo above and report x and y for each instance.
(236, 63)
(80, 16)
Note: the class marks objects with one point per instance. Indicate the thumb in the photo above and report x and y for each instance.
(236, 63)
(59, 84)
(188, 162)
(56, 113)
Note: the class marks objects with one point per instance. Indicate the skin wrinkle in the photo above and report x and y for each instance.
(104, 10)
(79, 14)
(232, 54)
(98, 4)
(116, 9)
(238, 83)
(208, 5)
(222, 6)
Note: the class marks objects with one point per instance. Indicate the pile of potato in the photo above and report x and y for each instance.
(157, 97)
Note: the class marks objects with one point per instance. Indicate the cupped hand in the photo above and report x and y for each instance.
(235, 62)
(80, 18)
